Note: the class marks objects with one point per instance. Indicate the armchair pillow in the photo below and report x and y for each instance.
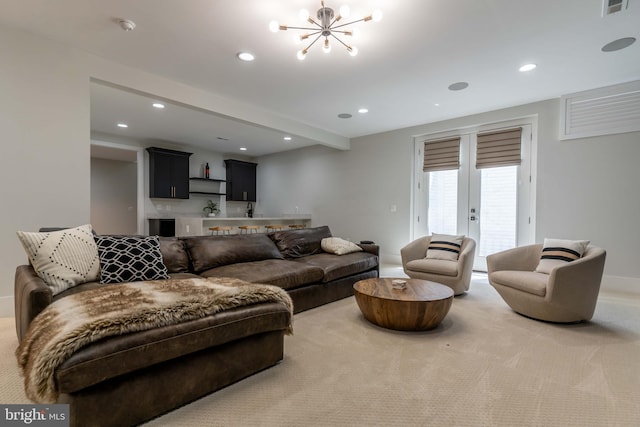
(445, 246)
(64, 258)
(130, 259)
(556, 252)
(338, 246)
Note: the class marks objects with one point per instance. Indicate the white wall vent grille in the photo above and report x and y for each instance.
(610, 7)
(605, 111)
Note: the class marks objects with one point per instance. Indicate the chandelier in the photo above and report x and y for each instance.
(327, 26)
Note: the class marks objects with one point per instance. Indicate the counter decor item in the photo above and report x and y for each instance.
(211, 208)
(206, 171)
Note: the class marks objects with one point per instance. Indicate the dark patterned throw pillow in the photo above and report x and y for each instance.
(130, 259)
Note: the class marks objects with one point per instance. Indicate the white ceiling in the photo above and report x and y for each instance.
(404, 66)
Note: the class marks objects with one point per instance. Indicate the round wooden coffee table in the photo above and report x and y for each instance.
(419, 307)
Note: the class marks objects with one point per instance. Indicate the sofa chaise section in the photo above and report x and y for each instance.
(126, 380)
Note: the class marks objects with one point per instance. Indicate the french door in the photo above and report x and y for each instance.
(490, 204)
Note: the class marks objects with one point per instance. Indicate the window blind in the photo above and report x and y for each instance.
(499, 148)
(440, 155)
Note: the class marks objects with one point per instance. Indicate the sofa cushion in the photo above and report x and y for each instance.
(445, 246)
(130, 259)
(526, 281)
(278, 272)
(338, 246)
(174, 255)
(435, 266)
(336, 267)
(64, 258)
(557, 252)
(214, 251)
(300, 243)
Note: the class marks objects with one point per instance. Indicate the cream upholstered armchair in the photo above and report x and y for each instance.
(455, 274)
(567, 294)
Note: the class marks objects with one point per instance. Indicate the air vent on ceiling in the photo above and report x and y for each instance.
(610, 7)
(605, 111)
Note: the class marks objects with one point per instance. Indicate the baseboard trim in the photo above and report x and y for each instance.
(618, 284)
(6, 306)
(387, 258)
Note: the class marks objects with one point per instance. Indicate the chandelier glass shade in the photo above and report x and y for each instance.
(327, 27)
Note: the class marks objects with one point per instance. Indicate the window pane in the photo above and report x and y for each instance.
(498, 209)
(443, 202)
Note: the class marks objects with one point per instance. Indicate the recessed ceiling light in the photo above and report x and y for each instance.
(527, 67)
(436, 105)
(158, 105)
(287, 138)
(345, 115)
(246, 56)
(458, 86)
(363, 110)
(123, 125)
(243, 148)
(618, 44)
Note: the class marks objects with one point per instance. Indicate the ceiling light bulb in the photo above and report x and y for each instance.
(376, 15)
(527, 67)
(246, 56)
(302, 54)
(303, 14)
(158, 105)
(363, 110)
(123, 125)
(274, 26)
(353, 51)
(243, 148)
(345, 11)
(287, 138)
(326, 48)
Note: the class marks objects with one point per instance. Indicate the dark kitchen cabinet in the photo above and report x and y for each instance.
(168, 173)
(241, 180)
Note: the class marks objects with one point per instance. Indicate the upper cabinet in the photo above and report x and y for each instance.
(168, 173)
(241, 180)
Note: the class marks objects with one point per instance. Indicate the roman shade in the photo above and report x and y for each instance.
(440, 155)
(499, 148)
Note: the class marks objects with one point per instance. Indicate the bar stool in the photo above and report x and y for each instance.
(273, 227)
(224, 229)
(249, 228)
(296, 226)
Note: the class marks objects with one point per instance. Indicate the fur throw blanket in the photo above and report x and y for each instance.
(77, 320)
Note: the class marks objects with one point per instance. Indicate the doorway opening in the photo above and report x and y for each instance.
(117, 205)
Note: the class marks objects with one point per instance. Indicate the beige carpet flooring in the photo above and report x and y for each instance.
(483, 366)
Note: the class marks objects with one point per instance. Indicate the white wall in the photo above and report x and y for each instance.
(350, 191)
(44, 167)
(586, 188)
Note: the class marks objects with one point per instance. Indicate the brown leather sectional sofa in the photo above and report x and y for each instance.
(128, 379)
